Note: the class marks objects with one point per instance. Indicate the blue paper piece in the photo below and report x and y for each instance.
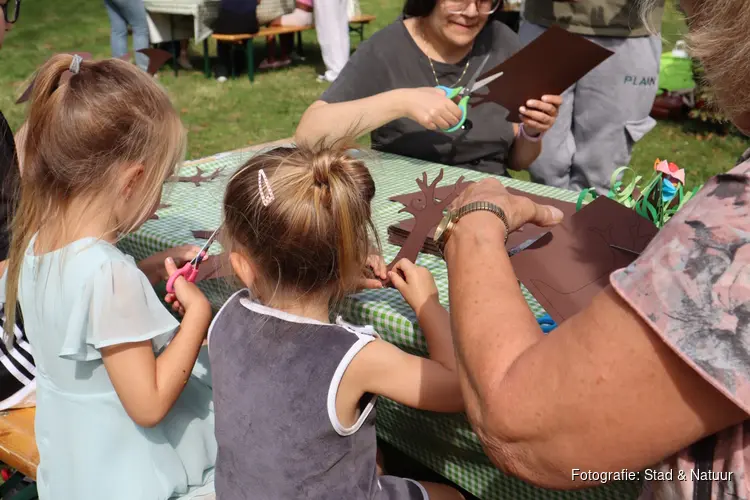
(546, 323)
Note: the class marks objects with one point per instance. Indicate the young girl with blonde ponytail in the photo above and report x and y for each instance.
(113, 419)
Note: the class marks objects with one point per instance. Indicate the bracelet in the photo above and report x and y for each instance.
(530, 138)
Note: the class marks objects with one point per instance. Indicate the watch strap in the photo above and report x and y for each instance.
(487, 206)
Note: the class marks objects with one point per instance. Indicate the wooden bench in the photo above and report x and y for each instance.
(18, 450)
(356, 25)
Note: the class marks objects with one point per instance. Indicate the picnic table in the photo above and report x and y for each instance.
(444, 443)
(191, 19)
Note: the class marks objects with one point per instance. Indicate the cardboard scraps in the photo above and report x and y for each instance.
(202, 235)
(216, 266)
(427, 210)
(156, 59)
(547, 66)
(156, 217)
(398, 233)
(568, 266)
(198, 178)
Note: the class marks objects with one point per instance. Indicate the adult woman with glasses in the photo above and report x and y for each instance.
(388, 88)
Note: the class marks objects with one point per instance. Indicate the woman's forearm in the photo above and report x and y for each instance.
(485, 299)
(524, 152)
(352, 119)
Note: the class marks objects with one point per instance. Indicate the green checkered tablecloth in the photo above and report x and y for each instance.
(444, 443)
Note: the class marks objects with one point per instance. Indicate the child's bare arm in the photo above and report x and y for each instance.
(417, 286)
(383, 369)
(148, 386)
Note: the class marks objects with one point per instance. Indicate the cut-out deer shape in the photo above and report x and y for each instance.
(427, 212)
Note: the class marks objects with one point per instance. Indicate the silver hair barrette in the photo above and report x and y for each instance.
(75, 64)
(264, 189)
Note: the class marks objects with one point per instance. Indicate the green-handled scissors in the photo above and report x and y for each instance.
(465, 92)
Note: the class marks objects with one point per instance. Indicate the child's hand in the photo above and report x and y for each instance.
(186, 295)
(153, 266)
(419, 286)
(376, 263)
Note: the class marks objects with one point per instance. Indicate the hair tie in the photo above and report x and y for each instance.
(264, 189)
(75, 64)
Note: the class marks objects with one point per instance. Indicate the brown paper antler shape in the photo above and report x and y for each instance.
(427, 211)
(156, 59)
(198, 178)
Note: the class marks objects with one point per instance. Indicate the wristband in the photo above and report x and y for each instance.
(530, 138)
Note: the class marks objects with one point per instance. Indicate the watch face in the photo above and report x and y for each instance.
(440, 231)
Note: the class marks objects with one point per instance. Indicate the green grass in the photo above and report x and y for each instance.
(227, 116)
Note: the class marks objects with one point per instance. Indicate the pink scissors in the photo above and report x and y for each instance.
(190, 270)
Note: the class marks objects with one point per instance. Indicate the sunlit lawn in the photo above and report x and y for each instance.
(227, 116)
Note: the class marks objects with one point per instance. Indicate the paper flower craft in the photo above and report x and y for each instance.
(657, 200)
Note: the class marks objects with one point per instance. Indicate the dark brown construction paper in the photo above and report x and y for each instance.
(547, 66)
(427, 211)
(202, 235)
(156, 59)
(527, 232)
(217, 266)
(568, 266)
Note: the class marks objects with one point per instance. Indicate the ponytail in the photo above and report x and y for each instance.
(27, 216)
(315, 235)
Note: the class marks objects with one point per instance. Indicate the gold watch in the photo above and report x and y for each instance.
(442, 233)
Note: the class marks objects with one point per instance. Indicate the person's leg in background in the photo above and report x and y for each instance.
(332, 28)
(553, 165)
(612, 106)
(118, 29)
(130, 12)
(184, 59)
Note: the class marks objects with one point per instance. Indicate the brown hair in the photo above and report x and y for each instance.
(79, 135)
(719, 38)
(313, 237)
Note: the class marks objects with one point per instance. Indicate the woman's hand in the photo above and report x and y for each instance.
(519, 210)
(429, 107)
(415, 283)
(154, 269)
(377, 265)
(539, 116)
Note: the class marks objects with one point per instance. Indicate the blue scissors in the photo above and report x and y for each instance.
(465, 92)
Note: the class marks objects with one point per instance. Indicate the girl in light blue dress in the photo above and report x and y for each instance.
(114, 420)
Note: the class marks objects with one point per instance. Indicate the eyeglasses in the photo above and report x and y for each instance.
(11, 9)
(484, 7)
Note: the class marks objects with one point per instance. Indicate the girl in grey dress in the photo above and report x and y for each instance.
(295, 393)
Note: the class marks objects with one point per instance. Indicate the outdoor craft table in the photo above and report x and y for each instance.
(444, 443)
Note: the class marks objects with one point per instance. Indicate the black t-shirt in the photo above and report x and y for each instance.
(391, 59)
(9, 177)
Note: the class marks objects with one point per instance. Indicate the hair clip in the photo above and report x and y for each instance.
(264, 189)
(75, 64)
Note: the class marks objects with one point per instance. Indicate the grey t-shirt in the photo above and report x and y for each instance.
(391, 59)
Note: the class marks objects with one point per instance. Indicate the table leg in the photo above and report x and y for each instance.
(206, 59)
(232, 52)
(28, 493)
(172, 45)
(300, 49)
(250, 54)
